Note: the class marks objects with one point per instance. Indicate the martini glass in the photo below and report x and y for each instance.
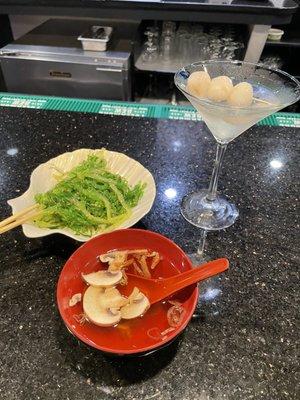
(272, 90)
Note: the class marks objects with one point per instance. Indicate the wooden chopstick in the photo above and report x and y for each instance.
(14, 217)
(20, 220)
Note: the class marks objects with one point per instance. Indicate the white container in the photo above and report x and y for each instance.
(275, 34)
(43, 179)
(96, 38)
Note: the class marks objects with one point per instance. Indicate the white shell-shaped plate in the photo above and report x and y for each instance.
(42, 180)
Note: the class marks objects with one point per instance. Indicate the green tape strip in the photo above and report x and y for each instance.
(186, 113)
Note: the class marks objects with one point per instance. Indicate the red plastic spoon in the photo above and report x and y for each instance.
(158, 289)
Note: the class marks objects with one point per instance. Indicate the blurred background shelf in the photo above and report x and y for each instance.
(284, 42)
(164, 67)
(134, 79)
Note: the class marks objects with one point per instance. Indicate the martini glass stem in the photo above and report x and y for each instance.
(213, 186)
(201, 246)
(198, 258)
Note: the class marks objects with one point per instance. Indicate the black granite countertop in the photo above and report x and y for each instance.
(243, 346)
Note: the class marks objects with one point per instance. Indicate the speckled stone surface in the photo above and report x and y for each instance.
(244, 344)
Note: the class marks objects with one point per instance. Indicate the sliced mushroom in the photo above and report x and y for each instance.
(111, 256)
(115, 259)
(96, 314)
(107, 257)
(133, 294)
(103, 278)
(137, 306)
(118, 263)
(76, 298)
(112, 298)
(138, 251)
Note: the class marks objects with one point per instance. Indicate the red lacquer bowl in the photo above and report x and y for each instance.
(138, 335)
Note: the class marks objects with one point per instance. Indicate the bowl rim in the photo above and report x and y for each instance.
(156, 346)
(207, 102)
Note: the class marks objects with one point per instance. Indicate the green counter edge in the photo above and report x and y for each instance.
(166, 111)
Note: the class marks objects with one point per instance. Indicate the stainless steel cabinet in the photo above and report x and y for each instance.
(66, 71)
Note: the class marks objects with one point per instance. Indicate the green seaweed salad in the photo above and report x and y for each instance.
(88, 199)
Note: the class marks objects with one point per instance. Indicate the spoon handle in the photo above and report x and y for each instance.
(178, 282)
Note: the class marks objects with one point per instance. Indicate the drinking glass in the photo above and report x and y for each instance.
(150, 53)
(273, 90)
(166, 47)
(184, 46)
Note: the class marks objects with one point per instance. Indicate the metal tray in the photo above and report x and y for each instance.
(96, 38)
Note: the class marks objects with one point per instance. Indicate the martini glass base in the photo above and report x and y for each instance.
(210, 215)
